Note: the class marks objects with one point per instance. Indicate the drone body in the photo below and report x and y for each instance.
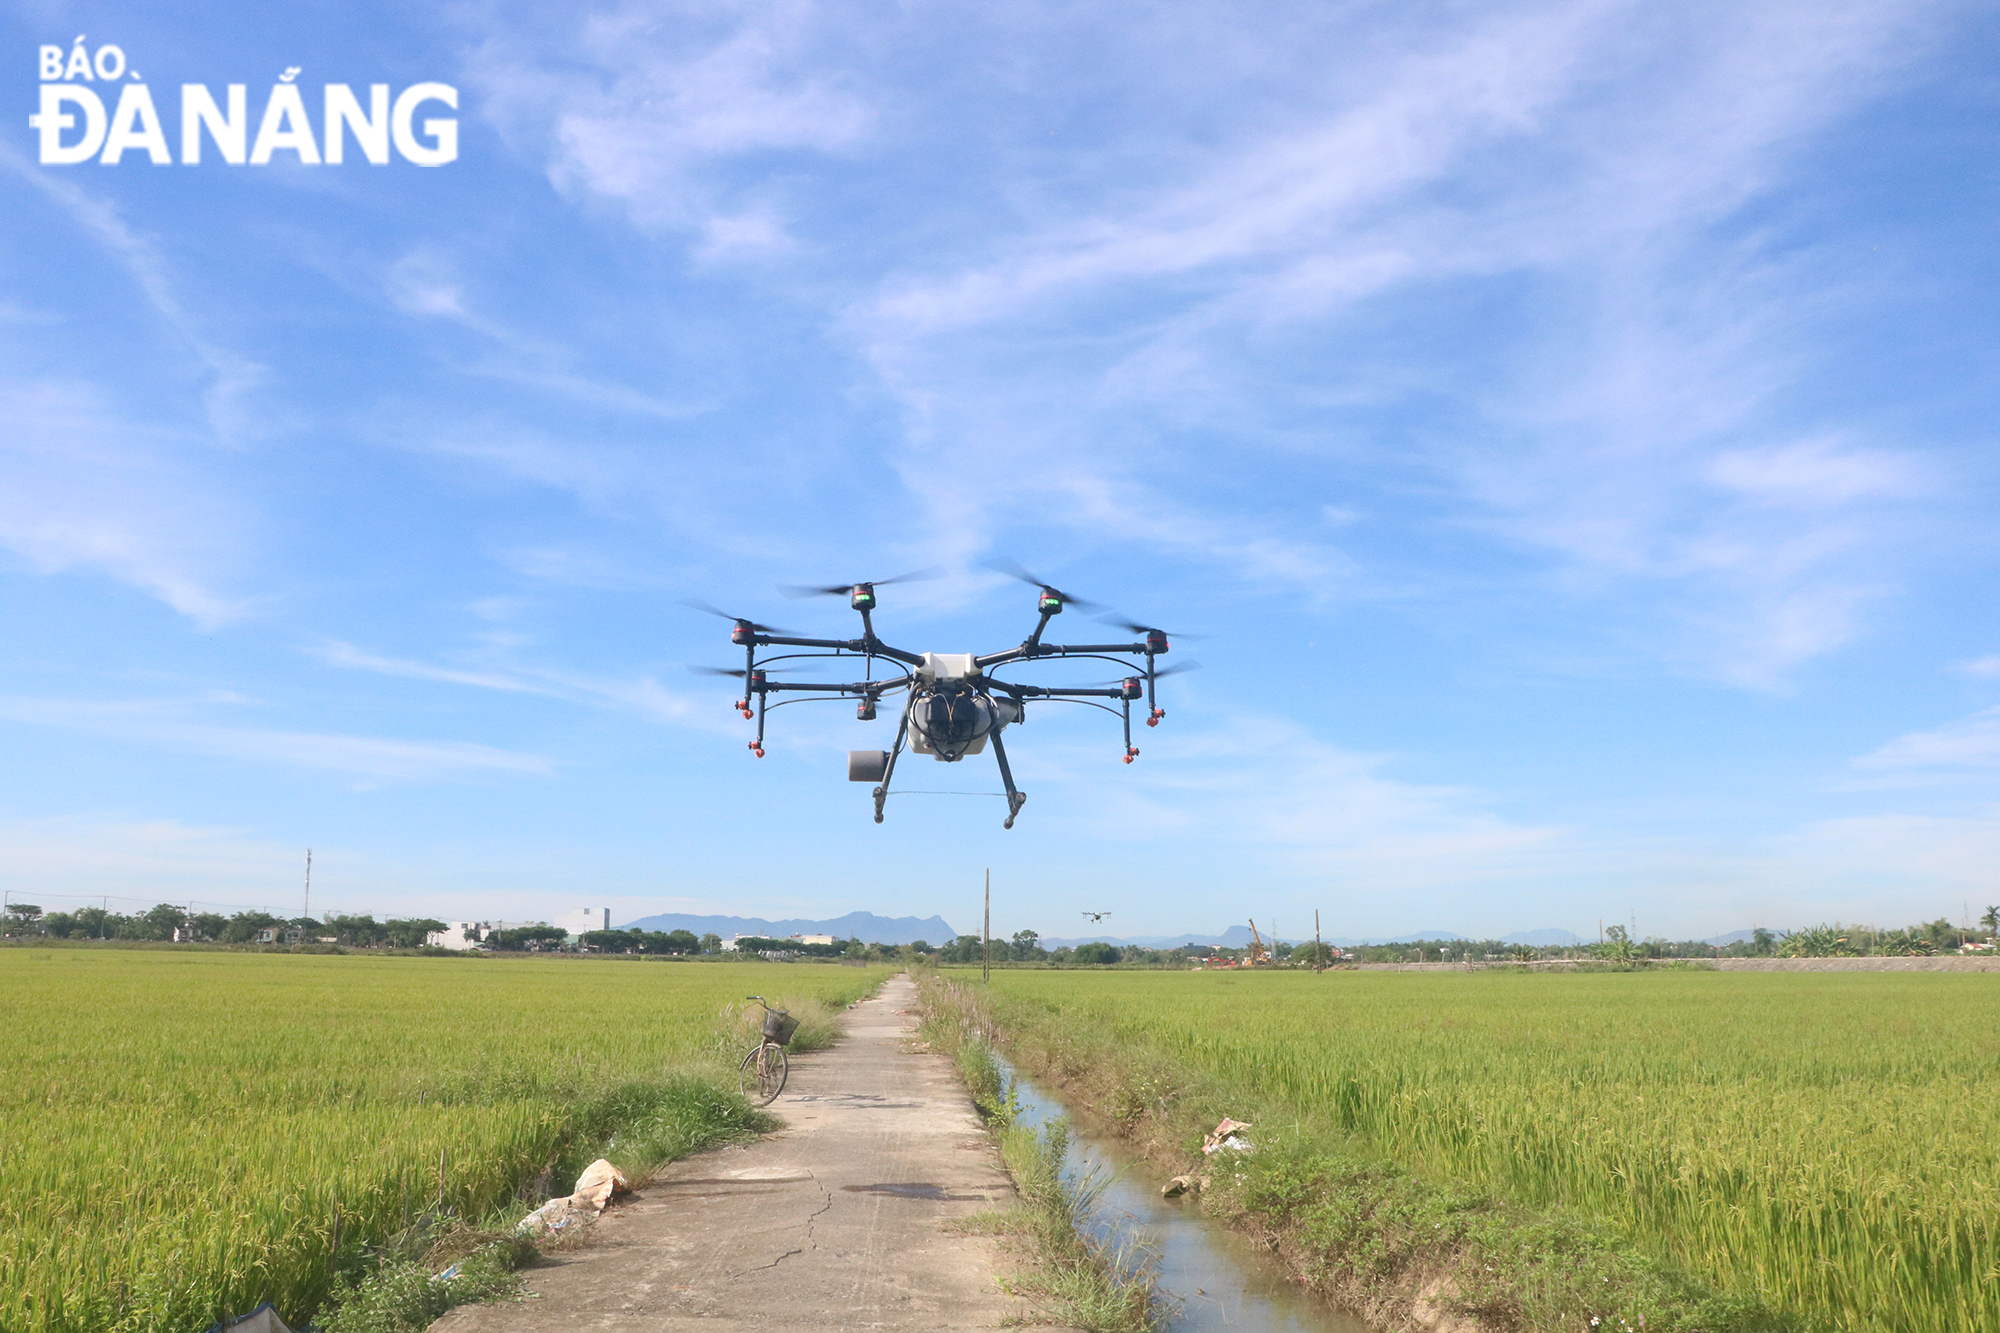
(955, 705)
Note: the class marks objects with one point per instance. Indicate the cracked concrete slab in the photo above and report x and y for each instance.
(835, 1222)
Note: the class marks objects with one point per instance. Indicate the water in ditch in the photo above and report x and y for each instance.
(1220, 1279)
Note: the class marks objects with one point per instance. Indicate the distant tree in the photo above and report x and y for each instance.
(1763, 942)
(62, 925)
(138, 928)
(613, 941)
(243, 927)
(409, 933)
(1096, 954)
(1821, 941)
(361, 931)
(1304, 956)
(683, 941)
(96, 923)
(528, 938)
(208, 925)
(1991, 921)
(1028, 946)
(1618, 946)
(21, 918)
(711, 943)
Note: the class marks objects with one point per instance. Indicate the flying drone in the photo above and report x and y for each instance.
(1097, 916)
(955, 704)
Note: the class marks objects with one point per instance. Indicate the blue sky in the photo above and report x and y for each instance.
(1571, 423)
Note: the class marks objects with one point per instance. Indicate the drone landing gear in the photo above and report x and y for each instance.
(882, 792)
(1015, 799)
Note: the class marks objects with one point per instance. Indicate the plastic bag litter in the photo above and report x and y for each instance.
(554, 1216)
(599, 1184)
(1178, 1186)
(263, 1319)
(1228, 1134)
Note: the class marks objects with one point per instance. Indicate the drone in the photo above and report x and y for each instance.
(1096, 917)
(955, 703)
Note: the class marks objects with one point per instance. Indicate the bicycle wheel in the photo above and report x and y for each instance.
(761, 1076)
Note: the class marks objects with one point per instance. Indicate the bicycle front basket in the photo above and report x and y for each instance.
(779, 1027)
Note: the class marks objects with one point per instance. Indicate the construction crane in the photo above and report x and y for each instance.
(1257, 957)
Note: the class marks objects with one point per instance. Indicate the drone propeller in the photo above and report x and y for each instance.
(1013, 570)
(1174, 670)
(1134, 627)
(796, 590)
(737, 672)
(744, 621)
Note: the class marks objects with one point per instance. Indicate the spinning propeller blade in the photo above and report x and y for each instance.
(695, 605)
(1134, 627)
(737, 672)
(843, 589)
(1173, 670)
(1013, 570)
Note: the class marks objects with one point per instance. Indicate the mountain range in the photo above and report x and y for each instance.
(1238, 936)
(864, 926)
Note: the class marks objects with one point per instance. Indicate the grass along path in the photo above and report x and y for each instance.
(193, 1133)
(1819, 1145)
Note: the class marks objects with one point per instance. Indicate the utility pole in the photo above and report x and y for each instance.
(1316, 954)
(307, 910)
(986, 932)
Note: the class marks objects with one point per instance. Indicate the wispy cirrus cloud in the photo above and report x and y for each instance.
(639, 694)
(82, 487)
(1957, 749)
(182, 724)
(671, 92)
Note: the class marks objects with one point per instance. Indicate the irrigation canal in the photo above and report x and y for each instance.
(1220, 1278)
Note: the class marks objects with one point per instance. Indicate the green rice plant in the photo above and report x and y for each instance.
(189, 1134)
(1826, 1142)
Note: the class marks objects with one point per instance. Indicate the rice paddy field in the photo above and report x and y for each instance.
(1830, 1141)
(188, 1134)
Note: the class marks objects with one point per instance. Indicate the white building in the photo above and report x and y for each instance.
(582, 920)
(456, 935)
(813, 939)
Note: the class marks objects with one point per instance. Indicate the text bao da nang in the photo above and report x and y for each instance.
(76, 124)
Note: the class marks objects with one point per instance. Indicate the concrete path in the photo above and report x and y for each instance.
(836, 1222)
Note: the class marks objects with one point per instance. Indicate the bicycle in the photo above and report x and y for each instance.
(761, 1076)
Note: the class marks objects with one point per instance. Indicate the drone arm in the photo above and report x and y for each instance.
(1031, 650)
(1070, 691)
(814, 687)
(870, 645)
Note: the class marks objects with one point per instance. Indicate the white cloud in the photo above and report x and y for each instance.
(1295, 803)
(81, 488)
(1982, 668)
(642, 695)
(1972, 743)
(177, 724)
(1588, 151)
(635, 114)
(68, 863)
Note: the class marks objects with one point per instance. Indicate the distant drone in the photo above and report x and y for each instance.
(1096, 916)
(955, 705)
